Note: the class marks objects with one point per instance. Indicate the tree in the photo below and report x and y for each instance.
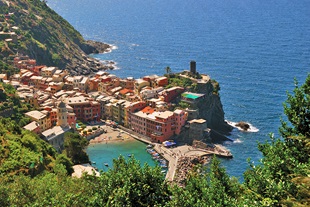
(283, 176)
(129, 184)
(62, 159)
(75, 148)
(213, 188)
(297, 110)
(168, 70)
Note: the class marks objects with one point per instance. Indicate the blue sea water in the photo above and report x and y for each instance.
(254, 49)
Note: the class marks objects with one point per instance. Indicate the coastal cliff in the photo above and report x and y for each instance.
(202, 102)
(32, 28)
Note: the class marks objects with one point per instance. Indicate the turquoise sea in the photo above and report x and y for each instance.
(102, 153)
(254, 49)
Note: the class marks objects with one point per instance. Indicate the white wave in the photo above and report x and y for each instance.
(110, 49)
(238, 141)
(250, 129)
(114, 47)
(110, 63)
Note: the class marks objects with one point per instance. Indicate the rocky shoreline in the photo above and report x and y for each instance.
(86, 65)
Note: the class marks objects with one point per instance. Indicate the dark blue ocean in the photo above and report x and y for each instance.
(253, 48)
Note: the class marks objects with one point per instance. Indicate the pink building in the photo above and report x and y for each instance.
(159, 126)
(171, 93)
(71, 119)
(180, 120)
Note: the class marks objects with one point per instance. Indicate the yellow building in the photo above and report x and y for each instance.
(48, 71)
(139, 84)
(42, 119)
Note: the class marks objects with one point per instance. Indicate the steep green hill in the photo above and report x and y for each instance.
(45, 36)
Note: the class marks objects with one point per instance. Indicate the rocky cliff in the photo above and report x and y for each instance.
(39, 32)
(212, 109)
(208, 107)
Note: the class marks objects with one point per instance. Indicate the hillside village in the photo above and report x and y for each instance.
(145, 105)
(158, 107)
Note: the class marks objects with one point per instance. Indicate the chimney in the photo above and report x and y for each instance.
(193, 67)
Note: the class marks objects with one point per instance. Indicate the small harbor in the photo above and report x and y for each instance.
(175, 161)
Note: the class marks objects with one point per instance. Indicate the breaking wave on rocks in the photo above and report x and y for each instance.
(250, 129)
(110, 49)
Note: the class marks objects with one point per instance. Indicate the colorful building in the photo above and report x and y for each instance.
(161, 81)
(139, 84)
(159, 126)
(180, 120)
(33, 127)
(42, 119)
(171, 93)
(128, 83)
(48, 71)
(85, 110)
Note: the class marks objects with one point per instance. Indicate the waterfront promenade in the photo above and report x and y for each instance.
(172, 155)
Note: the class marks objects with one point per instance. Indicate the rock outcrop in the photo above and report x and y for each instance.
(243, 125)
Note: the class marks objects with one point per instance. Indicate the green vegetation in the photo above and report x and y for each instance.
(74, 148)
(183, 105)
(168, 70)
(216, 86)
(43, 34)
(6, 68)
(176, 80)
(213, 188)
(11, 106)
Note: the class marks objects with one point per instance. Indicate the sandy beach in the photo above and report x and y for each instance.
(112, 135)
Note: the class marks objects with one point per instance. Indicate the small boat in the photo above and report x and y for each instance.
(106, 164)
(163, 171)
(149, 146)
(163, 165)
(93, 162)
(129, 155)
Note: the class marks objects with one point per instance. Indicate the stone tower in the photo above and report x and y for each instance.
(62, 114)
(193, 67)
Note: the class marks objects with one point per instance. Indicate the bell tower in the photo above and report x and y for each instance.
(62, 113)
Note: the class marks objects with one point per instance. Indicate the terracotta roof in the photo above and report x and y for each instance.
(148, 110)
(124, 91)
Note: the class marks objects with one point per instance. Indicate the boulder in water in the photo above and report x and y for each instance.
(243, 125)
